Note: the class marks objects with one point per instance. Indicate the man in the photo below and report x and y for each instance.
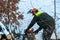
(45, 21)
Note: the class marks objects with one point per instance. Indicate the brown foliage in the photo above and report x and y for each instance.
(6, 10)
(8, 7)
(20, 16)
(1, 9)
(0, 14)
(15, 1)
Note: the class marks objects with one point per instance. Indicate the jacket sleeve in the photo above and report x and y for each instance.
(32, 22)
(40, 27)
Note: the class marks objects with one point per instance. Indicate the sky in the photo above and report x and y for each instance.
(44, 5)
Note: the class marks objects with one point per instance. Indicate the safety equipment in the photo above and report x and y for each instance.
(34, 9)
(30, 31)
(38, 13)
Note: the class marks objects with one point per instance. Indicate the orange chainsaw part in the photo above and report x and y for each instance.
(30, 31)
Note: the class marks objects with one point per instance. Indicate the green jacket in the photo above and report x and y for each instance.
(43, 20)
(38, 13)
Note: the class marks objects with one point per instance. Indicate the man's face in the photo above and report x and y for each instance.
(33, 13)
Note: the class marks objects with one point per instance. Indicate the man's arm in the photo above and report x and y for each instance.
(32, 23)
(38, 30)
(40, 27)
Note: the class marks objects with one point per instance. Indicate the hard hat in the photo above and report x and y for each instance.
(34, 9)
